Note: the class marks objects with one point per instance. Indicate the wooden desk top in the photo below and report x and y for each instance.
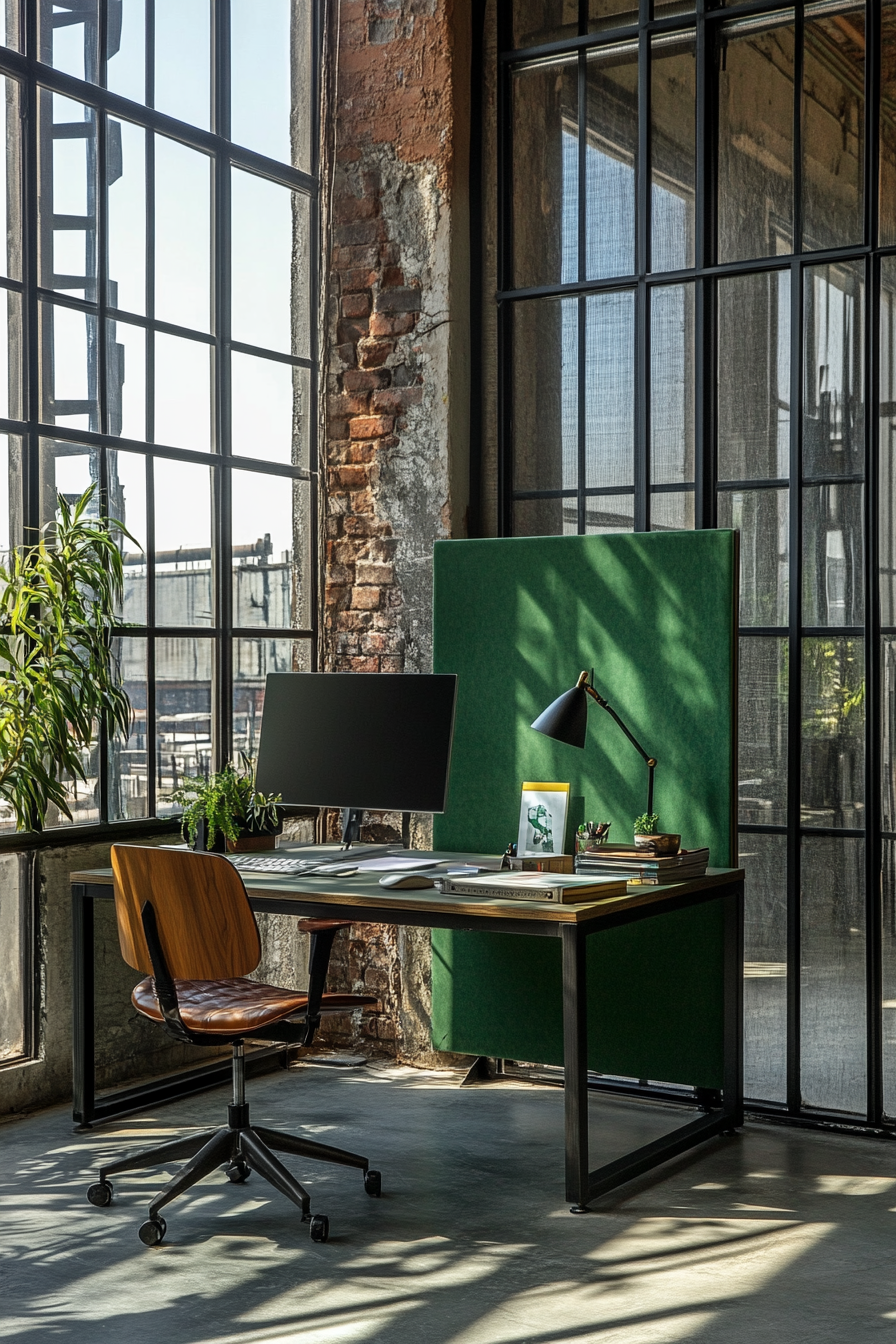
(363, 892)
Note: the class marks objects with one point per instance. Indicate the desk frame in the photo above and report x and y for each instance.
(722, 1114)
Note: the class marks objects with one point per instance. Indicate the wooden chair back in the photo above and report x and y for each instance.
(205, 923)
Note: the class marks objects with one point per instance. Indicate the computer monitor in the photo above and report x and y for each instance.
(372, 741)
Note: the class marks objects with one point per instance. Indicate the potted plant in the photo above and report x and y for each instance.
(649, 837)
(58, 678)
(225, 812)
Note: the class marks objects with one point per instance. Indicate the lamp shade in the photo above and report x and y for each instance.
(566, 719)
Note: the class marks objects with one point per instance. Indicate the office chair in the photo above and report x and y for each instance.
(184, 919)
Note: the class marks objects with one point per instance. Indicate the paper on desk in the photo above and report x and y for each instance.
(390, 863)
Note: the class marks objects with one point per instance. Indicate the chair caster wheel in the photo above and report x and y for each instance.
(729, 1133)
(320, 1227)
(152, 1231)
(238, 1171)
(100, 1194)
(373, 1183)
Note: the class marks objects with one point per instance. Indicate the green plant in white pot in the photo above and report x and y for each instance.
(58, 676)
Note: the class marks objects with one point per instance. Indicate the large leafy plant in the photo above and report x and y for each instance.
(58, 676)
(227, 801)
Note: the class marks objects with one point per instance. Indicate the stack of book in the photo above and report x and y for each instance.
(639, 866)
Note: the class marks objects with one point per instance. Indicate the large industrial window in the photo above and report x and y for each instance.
(160, 281)
(694, 244)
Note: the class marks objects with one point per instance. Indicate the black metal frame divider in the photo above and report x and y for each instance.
(306, 897)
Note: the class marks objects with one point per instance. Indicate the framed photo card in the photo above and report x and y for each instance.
(542, 819)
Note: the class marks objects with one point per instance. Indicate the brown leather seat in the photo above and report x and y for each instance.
(235, 1006)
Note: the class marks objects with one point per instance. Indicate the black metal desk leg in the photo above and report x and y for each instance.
(733, 1013)
(83, 1056)
(575, 1065)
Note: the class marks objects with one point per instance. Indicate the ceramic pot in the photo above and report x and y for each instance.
(662, 843)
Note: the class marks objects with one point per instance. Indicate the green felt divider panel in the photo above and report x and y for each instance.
(517, 620)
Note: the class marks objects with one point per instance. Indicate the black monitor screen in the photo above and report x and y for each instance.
(370, 740)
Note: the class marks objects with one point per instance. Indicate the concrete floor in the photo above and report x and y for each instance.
(774, 1235)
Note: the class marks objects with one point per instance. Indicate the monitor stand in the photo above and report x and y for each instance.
(351, 825)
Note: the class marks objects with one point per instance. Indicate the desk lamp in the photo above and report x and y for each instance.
(566, 719)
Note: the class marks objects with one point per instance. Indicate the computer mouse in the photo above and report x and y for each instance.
(406, 881)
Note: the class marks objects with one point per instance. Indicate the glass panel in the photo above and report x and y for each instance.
(611, 14)
(608, 513)
(67, 469)
(271, 410)
(183, 393)
(183, 60)
(263, 547)
(833, 132)
(665, 9)
(544, 517)
(271, 259)
(69, 37)
(833, 755)
(182, 543)
(832, 966)
(887, 419)
(673, 150)
(834, 363)
(671, 384)
(755, 196)
(126, 50)
(888, 733)
(545, 394)
(126, 380)
(67, 196)
(11, 357)
(10, 28)
(253, 659)
(887, 210)
(128, 781)
(888, 885)
(545, 173)
(127, 219)
(610, 156)
(68, 368)
(609, 389)
(183, 235)
(672, 511)
(270, 46)
(764, 860)
(754, 377)
(16, 934)
(10, 494)
(11, 179)
(762, 731)
(537, 21)
(833, 555)
(762, 518)
(127, 503)
(183, 743)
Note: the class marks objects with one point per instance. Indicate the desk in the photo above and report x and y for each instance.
(361, 898)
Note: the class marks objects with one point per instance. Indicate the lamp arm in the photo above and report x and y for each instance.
(651, 760)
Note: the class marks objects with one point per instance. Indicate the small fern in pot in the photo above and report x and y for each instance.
(226, 811)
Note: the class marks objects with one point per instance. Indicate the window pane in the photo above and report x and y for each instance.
(609, 389)
(67, 195)
(611, 14)
(271, 50)
(762, 731)
(183, 235)
(833, 755)
(126, 380)
(16, 932)
(755, 198)
(832, 1011)
(672, 384)
(888, 733)
(253, 659)
(127, 218)
(271, 265)
(888, 886)
(128, 781)
(11, 178)
(182, 543)
(833, 555)
(833, 128)
(544, 517)
(263, 547)
(183, 393)
(11, 356)
(762, 518)
(537, 21)
(183, 60)
(127, 503)
(183, 743)
(834, 363)
(609, 513)
(545, 169)
(545, 393)
(673, 149)
(126, 47)
(610, 160)
(69, 37)
(66, 469)
(764, 860)
(887, 420)
(10, 29)
(271, 410)
(754, 377)
(887, 212)
(10, 494)
(672, 511)
(68, 367)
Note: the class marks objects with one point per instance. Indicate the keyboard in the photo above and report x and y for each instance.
(269, 863)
